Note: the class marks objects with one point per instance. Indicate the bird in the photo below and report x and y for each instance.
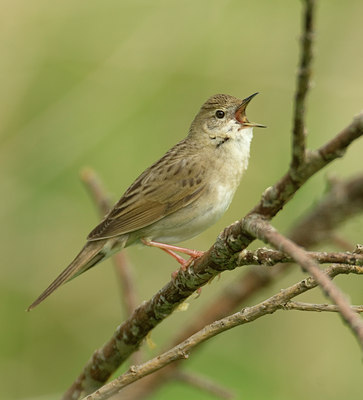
(180, 195)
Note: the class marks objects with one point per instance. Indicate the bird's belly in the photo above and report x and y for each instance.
(193, 219)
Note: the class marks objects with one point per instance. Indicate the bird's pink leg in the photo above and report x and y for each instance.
(171, 250)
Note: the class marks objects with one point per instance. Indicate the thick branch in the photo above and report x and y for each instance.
(303, 84)
(245, 316)
(261, 229)
(343, 200)
(130, 334)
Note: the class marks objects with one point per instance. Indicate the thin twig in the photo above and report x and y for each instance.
(122, 265)
(303, 84)
(343, 200)
(124, 272)
(120, 260)
(340, 242)
(300, 306)
(95, 188)
(245, 316)
(263, 230)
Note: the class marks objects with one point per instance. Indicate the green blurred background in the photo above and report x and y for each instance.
(112, 85)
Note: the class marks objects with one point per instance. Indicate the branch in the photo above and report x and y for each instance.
(245, 316)
(342, 201)
(218, 258)
(121, 264)
(269, 257)
(303, 84)
(122, 267)
(340, 242)
(261, 229)
(96, 190)
(297, 305)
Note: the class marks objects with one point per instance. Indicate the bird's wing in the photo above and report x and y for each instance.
(167, 186)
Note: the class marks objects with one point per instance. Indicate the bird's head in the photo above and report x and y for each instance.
(222, 115)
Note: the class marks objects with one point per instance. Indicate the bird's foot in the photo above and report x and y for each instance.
(184, 264)
(171, 251)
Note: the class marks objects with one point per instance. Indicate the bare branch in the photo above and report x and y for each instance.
(269, 257)
(124, 272)
(340, 242)
(95, 188)
(342, 201)
(303, 84)
(122, 266)
(300, 306)
(245, 316)
(218, 258)
(263, 230)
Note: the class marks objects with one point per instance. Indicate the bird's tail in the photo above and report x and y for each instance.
(90, 255)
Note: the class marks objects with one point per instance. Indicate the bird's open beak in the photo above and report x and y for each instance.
(241, 113)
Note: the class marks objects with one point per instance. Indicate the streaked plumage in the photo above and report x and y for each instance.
(180, 195)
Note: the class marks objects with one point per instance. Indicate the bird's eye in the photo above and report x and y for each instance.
(220, 114)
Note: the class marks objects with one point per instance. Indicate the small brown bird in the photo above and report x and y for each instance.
(180, 195)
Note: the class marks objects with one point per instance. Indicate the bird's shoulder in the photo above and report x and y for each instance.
(174, 181)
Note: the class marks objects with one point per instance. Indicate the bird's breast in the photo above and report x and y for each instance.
(225, 168)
